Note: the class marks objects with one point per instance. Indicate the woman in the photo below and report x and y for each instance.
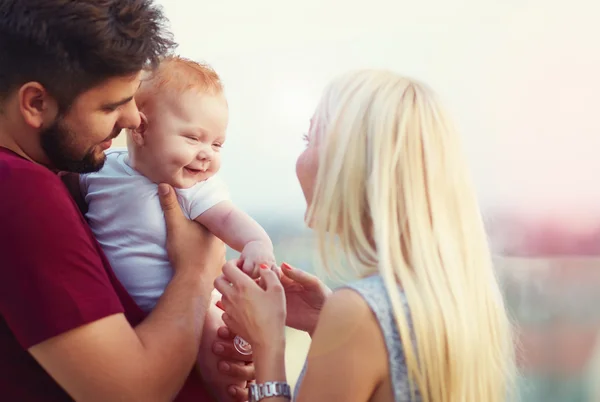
(386, 182)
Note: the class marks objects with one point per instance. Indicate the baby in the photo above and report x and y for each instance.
(184, 120)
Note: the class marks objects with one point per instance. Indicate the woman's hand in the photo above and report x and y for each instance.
(305, 296)
(255, 311)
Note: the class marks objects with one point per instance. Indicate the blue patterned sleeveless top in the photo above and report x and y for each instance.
(372, 290)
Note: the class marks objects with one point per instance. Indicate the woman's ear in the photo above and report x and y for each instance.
(139, 134)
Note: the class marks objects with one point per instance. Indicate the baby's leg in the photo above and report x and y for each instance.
(207, 361)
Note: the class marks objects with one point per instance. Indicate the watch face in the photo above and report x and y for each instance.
(242, 346)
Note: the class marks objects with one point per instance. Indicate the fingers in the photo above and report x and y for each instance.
(234, 275)
(248, 267)
(300, 276)
(227, 306)
(169, 204)
(270, 278)
(277, 270)
(238, 393)
(237, 370)
(225, 333)
(287, 281)
(228, 321)
(227, 350)
(223, 285)
(215, 296)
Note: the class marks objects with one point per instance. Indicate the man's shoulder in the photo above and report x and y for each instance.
(17, 172)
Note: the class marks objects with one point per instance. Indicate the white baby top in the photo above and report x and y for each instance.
(125, 215)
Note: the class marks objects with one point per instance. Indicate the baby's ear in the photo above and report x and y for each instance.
(139, 134)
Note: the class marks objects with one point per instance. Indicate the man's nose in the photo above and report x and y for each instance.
(130, 118)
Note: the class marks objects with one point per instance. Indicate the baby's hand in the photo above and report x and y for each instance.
(255, 254)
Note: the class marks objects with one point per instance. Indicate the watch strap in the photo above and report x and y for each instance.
(269, 389)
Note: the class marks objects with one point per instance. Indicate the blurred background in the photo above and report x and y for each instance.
(521, 79)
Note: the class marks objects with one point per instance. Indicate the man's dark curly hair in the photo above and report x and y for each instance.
(70, 46)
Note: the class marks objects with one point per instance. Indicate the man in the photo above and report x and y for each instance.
(68, 329)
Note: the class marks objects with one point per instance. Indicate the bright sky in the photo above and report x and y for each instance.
(520, 76)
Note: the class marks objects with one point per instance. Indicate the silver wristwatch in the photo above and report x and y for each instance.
(268, 389)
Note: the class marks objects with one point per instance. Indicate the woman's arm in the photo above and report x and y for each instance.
(257, 313)
(347, 360)
(272, 365)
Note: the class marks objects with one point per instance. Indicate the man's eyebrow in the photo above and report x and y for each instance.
(123, 101)
(118, 103)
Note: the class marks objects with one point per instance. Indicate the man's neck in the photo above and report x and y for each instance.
(7, 140)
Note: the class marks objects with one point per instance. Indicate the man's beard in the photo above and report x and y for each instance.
(58, 142)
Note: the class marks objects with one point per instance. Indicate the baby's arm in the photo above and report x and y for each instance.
(240, 232)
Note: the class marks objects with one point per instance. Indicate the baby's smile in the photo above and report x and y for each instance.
(196, 169)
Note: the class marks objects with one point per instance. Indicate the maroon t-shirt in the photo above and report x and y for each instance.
(54, 277)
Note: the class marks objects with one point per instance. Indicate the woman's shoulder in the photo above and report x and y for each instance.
(373, 290)
(356, 299)
(348, 314)
(374, 282)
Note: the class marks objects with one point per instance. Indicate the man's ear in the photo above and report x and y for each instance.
(37, 106)
(139, 134)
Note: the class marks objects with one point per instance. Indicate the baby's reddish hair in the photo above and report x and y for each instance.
(177, 75)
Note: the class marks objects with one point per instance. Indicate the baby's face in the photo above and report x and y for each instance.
(184, 137)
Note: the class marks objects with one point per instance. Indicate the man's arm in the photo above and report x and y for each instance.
(62, 307)
(233, 226)
(109, 360)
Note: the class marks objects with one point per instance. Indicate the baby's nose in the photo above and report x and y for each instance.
(204, 154)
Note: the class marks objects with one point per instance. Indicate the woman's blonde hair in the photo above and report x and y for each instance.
(394, 191)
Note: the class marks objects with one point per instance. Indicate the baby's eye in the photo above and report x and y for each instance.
(217, 145)
(192, 138)
(305, 138)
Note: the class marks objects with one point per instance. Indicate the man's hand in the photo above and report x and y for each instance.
(238, 367)
(189, 244)
(209, 364)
